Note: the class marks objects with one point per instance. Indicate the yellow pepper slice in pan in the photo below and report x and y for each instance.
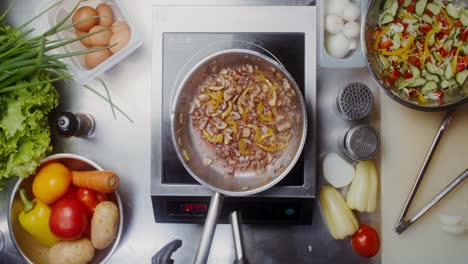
(227, 111)
(243, 147)
(399, 51)
(267, 118)
(233, 125)
(216, 139)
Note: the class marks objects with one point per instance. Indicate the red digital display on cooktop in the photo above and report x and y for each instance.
(195, 207)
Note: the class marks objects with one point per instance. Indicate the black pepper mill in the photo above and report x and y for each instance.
(68, 124)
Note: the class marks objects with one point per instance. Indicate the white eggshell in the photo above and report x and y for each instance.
(337, 45)
(351, 12)
(333, 24)
(351, 30)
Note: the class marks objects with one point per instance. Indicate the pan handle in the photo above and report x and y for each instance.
(209, 229)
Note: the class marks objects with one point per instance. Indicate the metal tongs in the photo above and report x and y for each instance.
(403, 224)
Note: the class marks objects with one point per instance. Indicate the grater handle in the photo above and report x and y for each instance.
(445, 122)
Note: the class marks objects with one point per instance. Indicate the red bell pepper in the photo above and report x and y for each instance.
(385, 44)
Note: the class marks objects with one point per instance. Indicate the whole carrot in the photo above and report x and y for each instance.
(102, 181)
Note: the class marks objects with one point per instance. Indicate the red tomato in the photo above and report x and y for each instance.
(396, 73)
(101, 197)
(406, 35)
(88, 198)
(425, 28)
(453, 52)
(440, 36)
(408, 75)
(366, 241)
(68, 219)
(385, 44)
(440, 94)
(415, 61)
(461, 65)
(465, 58)
(458, 23)
(464, 34)
(443, 52)
(411, 8)
(401, 2)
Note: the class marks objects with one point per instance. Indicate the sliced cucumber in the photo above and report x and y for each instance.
(448, 71)
(387, 4)
(444, 84)
(392, 10)
(452, 33)
(417, 82)
(411, 21)
(464, 19)
(429, 86)
(448, 44)
(420, 7)
(396, 42)
(385, 19)
(432, 40)
(415, 72)
(432, 68)
(407, 3)
(430, 77)
(464, 49)
(427, 19)
(461, 76)
(453, 11)
(435, 9)
(405, 82)
(385, 62)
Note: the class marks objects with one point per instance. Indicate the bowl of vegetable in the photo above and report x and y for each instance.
(417, 51)
(68, 212)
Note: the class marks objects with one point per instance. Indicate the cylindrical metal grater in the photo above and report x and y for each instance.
(355, 101)
(361, 142)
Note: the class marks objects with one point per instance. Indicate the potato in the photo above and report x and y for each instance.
(79, 251)
(104, 224)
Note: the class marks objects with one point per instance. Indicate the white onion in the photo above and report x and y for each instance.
(333, 24)
(351, 12)
(337, 45)
(337, 171)
(450, 220)
(454, 229)
(351, 30)
(335, 7)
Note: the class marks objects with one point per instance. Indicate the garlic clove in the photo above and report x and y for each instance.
(337, 45)
(334, 24)
(351, 30)
(351, 12)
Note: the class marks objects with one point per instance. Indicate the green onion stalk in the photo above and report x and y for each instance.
(22, 55)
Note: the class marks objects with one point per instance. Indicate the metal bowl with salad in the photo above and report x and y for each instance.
(417, 50)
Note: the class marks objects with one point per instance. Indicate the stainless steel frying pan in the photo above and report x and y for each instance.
(191, 150)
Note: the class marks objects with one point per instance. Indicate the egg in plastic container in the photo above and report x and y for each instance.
(354, 58)
(76, 65)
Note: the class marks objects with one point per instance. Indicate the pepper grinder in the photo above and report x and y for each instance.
(69, 124)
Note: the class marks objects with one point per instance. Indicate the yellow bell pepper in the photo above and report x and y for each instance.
(421, 99)
(233, 125)
(267, 118)
(340, 220)
(455, 60)
(433, 31)
(267, 148)
(227, 111)
(243, 147)
(243, 112)
(362, 194)
(216, 139)
(399, 51)
(35, 220)
(449, 19)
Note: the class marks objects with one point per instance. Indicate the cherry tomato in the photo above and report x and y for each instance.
(440, 94)
(415, 61)
(401, 2)
(425, 28)
(411, 8)
(68, 219)
(458, 23)
(396, 73)
(453, 52)
(443, 52)
(101, 197)
(461, 65)
(465, 58)
(408, 75)
(88, 198)
(385, 44)
(366, 241)
(440, 36)
(464, 34)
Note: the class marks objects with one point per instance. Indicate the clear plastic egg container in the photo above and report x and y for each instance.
(354, 58)
(76, 65)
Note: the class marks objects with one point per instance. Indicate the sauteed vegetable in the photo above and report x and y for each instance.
(245, 114)
(423, 48)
